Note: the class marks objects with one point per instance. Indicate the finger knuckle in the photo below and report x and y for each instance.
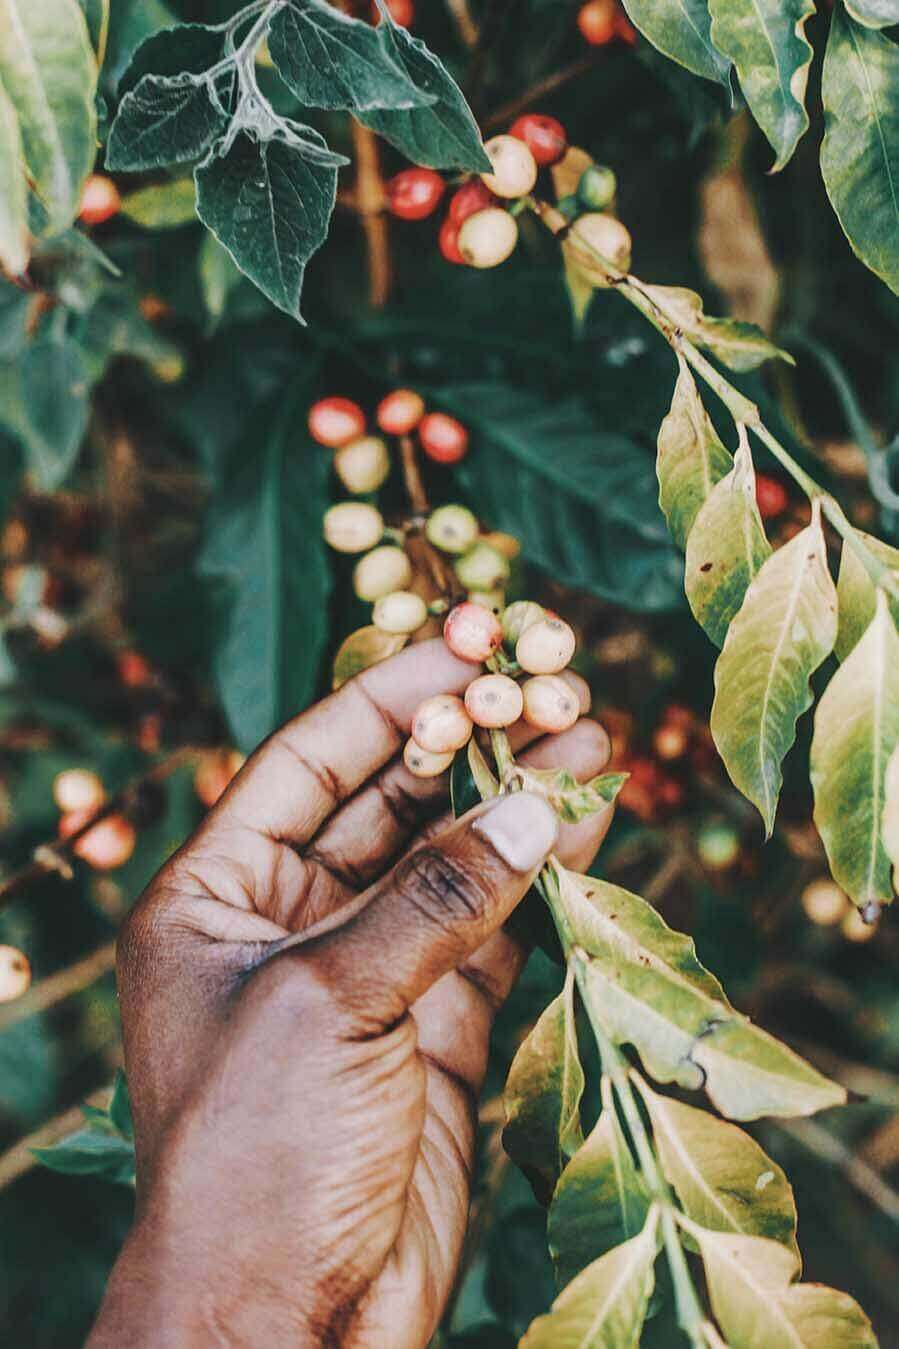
(441, 887)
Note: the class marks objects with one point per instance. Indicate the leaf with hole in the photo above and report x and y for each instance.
(857, 594)
(690, 457)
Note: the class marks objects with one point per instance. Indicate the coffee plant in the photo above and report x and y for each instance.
(174, 396)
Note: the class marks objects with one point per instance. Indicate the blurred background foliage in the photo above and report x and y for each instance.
(139, 629)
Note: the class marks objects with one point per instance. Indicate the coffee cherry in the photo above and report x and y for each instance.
(441, 725)
(422, 764)
(413, 194)
(717, 843)
(549, 703)
(448, 242)
(607, 236)
(363, 465)
(597, 20)
(855, 929)
(625, 30)
(488, 237)
(514, 167)
(108, 845)
(493, 700)
(482, 568)
(546, 647)
(352, 527)
(134, 671)
(452, 529)
(670, 742)
(78, 789)
(472, 196)
(771, 495)
(400, 612)
(505, 544)
(336, 421)
(15, 973)
(471, 632)
(382, 570)
(597, 187)
(824, 902)
(401, 11)
(214, 771)
(100, 200)
(518, 616)
(544, 136)
(400, 412)
(443, 439)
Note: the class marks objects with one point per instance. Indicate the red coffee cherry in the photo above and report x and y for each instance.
(413, 194)
(771, 495)
(597, 20)
(400, 412)
(448, 242)
(473, 196)
(544, 136)
(100, 200)
(472, 632)
(401, 11)
(108, 845)
(625, 30)
(443, 439)
(336, 421)
(134, 670)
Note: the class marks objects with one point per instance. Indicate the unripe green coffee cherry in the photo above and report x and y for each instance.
(488, 237)
(518, 616)
(549, 703)
(441, 725)
(514, 167)
(482, 568)
(352, 527)
(363, 464)
(493, 600)
(608, 237)
(493, 700)
(421, 763)
(452, 529)
(401, 611)
(597, 187)
(380, 571)
(546, 647)
(569, 206)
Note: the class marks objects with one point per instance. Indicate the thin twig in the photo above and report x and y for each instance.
(548, 85)
(833, 1151)
(368, 200)
(56, 987)
(465, 24)
(19, 1159)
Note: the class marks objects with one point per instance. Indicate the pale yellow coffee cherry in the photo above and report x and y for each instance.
(514, 167)
(421, 763)
(401, 611)
(855, 929)
(78, 789)
(482, 568)
(352, 526)
(488, 237)
(380, 571)
(452, 529)
(608, 237)
(518, 616)
(549, 703)
(362, 465)
(493, 700)
(441, 724)
(545, 647)
(15, 973)
(824, 902)
(494, 600)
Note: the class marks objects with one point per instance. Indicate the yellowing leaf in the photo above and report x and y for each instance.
(364, 647)
(856, 731)
(891, 814)
(856, 593)
(14, 195)
(739, 345)
(785, 628)
(543, 1093)
(691, 458)
(645, 987)
(721, 1176)
(725, 548)
(600, 1199)
(162, 205)
(572, 800)
(605, 1306)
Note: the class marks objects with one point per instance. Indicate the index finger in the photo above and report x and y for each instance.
(303, 772)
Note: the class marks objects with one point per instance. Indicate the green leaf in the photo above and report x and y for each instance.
(766, 41)
(756, 1302)
(165, 121)
(269, 202)
(264, 537)
(91, 1152)
(362, 648)
(219, 274)
(784, 630)
(600, 1200)
(725, 549)
(721, 1176)
(681, 29)
(120, 1106)
(645, 987)
(49, 72)
(691, 457)
(585, 506)
(572, 800)
(330, 60)
(182, 49)
(443, 135)
(96, 14)
(873, 13)
(857, 594)
(740, 346)
(543, 1093)
(860, 150)
(605, 1306)
(890, 825)
(162, 205)
(471, 780)
(43, 402)
(14, 197)
(856, 731)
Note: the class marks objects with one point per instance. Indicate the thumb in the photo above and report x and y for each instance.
(435, 909)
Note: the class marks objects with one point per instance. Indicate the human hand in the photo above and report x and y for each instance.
(307, 990)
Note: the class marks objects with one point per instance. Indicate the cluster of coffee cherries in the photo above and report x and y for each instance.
(79, 793)
(524, 640)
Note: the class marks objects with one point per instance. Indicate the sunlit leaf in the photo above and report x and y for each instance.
(572, 800)
(691, 457)
(857, 594)
(891, 814)
(362, 648)
(741, 346)
(681, 29)
(169, 120)
(874, 13)
(14, 196)
(162, 205)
